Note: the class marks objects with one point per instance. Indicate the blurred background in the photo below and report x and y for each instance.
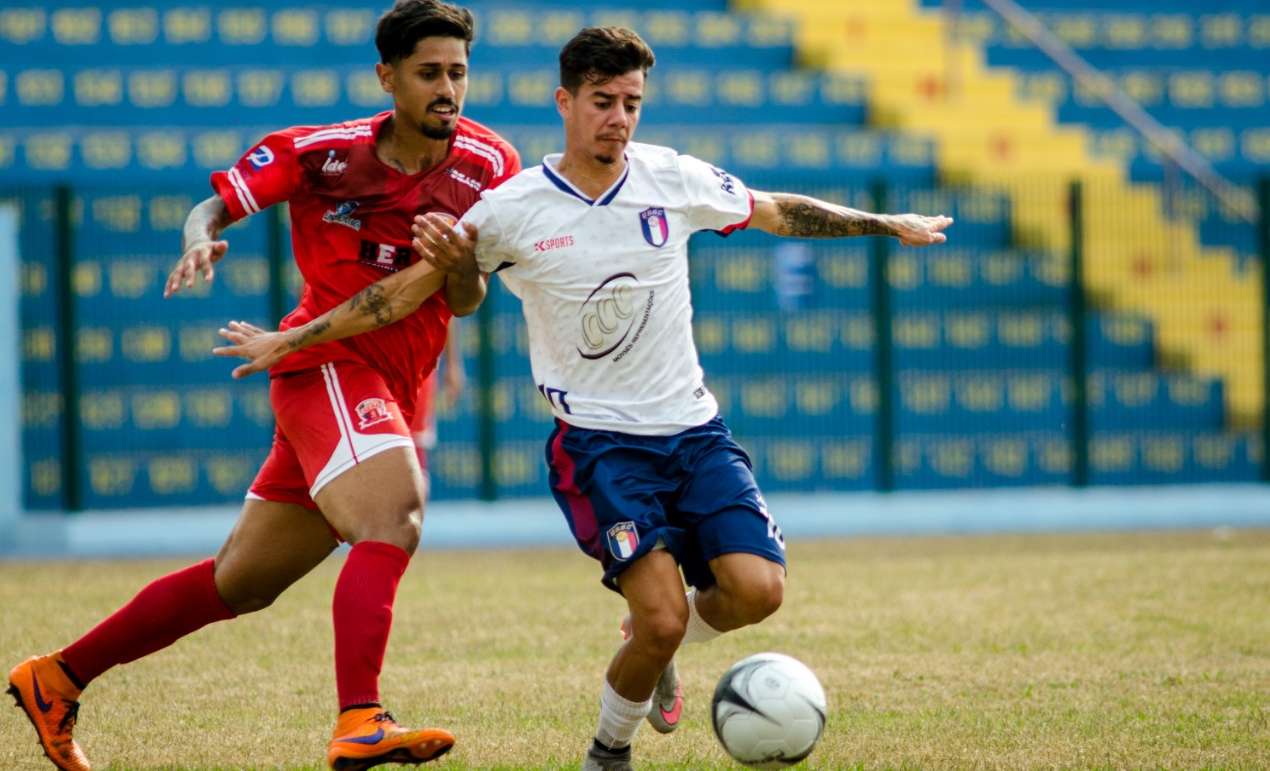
(1096, 319)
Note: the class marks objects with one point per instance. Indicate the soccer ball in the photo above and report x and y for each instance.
(768, 711)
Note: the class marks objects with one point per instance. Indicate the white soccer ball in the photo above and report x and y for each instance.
(768, 711)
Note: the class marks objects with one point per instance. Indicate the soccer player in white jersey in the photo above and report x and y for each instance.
(594, 243)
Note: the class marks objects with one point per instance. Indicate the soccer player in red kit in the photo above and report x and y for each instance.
(343, 465)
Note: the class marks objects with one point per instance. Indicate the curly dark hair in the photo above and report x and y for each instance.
(599, 54)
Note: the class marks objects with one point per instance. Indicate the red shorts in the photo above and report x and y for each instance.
(328, 419)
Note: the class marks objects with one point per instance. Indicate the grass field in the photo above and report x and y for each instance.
(1125, 651)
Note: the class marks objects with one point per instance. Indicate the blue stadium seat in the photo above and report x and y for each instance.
(933, 461)
(263, 34)
(198, 96)
(155, 154)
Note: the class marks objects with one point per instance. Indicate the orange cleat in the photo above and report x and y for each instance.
(49, 699)
(367, 737)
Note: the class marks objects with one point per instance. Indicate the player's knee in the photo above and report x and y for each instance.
(661, 633)
(404, 533)
(242, 596)
(401, 526)
(759, 596)
(248, 603)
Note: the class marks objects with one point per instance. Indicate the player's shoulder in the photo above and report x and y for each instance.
(484, 146)
(663, 164)
(330, 136)
(517, 189)
(653, 157)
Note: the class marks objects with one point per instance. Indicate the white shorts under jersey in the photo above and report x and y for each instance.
(604, 285)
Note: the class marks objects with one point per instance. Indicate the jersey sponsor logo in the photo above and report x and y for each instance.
(371, 412)
(334, 165)
(611, 314)
(261, 157)
(655, 226)
(727, 183)
(342, 215)
(455, 174)
(384, 256)
(623, 540)
(548, 244)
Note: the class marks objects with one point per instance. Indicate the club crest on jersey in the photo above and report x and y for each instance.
(656, 228)
(371, 412)
(342, 215)
(623, 540)
(334, 165)
(261, 157)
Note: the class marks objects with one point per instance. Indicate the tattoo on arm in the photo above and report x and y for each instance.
(809, 218)
(311, 331)
(372, 302)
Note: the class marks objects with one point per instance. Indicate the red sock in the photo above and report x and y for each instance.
(362, 609)
(163, 612)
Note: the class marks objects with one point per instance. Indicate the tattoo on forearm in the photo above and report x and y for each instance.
(372, 302)
(807, 220)
(317, 328)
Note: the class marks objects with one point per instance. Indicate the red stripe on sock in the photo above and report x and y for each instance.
(163, 612)
(362, 612)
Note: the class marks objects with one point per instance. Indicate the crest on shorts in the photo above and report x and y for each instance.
(371, 412)
(623, 540)
(656, 228)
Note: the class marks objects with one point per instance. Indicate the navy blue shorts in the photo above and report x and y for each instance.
(693, 493)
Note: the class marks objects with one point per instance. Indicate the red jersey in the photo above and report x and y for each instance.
(350, 226)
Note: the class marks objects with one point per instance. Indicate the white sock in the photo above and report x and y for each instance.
(619, 718)
(698, 630)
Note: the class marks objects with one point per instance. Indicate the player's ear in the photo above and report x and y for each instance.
(564, 100)
(385, 74)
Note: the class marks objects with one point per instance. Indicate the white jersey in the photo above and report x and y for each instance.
(604, 285)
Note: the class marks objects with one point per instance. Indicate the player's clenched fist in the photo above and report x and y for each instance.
(443, 247)
(198, 259)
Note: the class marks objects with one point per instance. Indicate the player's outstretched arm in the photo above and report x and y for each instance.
(378, 305)
(801, 216)
(201, 247)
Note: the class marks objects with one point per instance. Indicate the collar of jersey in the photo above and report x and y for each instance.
(568, 187)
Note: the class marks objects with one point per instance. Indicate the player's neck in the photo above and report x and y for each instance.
(587, 174)
(407, 150)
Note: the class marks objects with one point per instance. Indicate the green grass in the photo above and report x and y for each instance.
(1096, 651)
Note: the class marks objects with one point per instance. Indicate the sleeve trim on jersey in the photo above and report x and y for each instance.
(488, 152)
(504, 265)
(242, 191)
(743, 224)
(344, 133)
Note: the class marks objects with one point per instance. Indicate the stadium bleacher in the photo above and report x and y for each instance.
(95, 93)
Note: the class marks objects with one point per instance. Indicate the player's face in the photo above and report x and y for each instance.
(600, 119)
(428, 86)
